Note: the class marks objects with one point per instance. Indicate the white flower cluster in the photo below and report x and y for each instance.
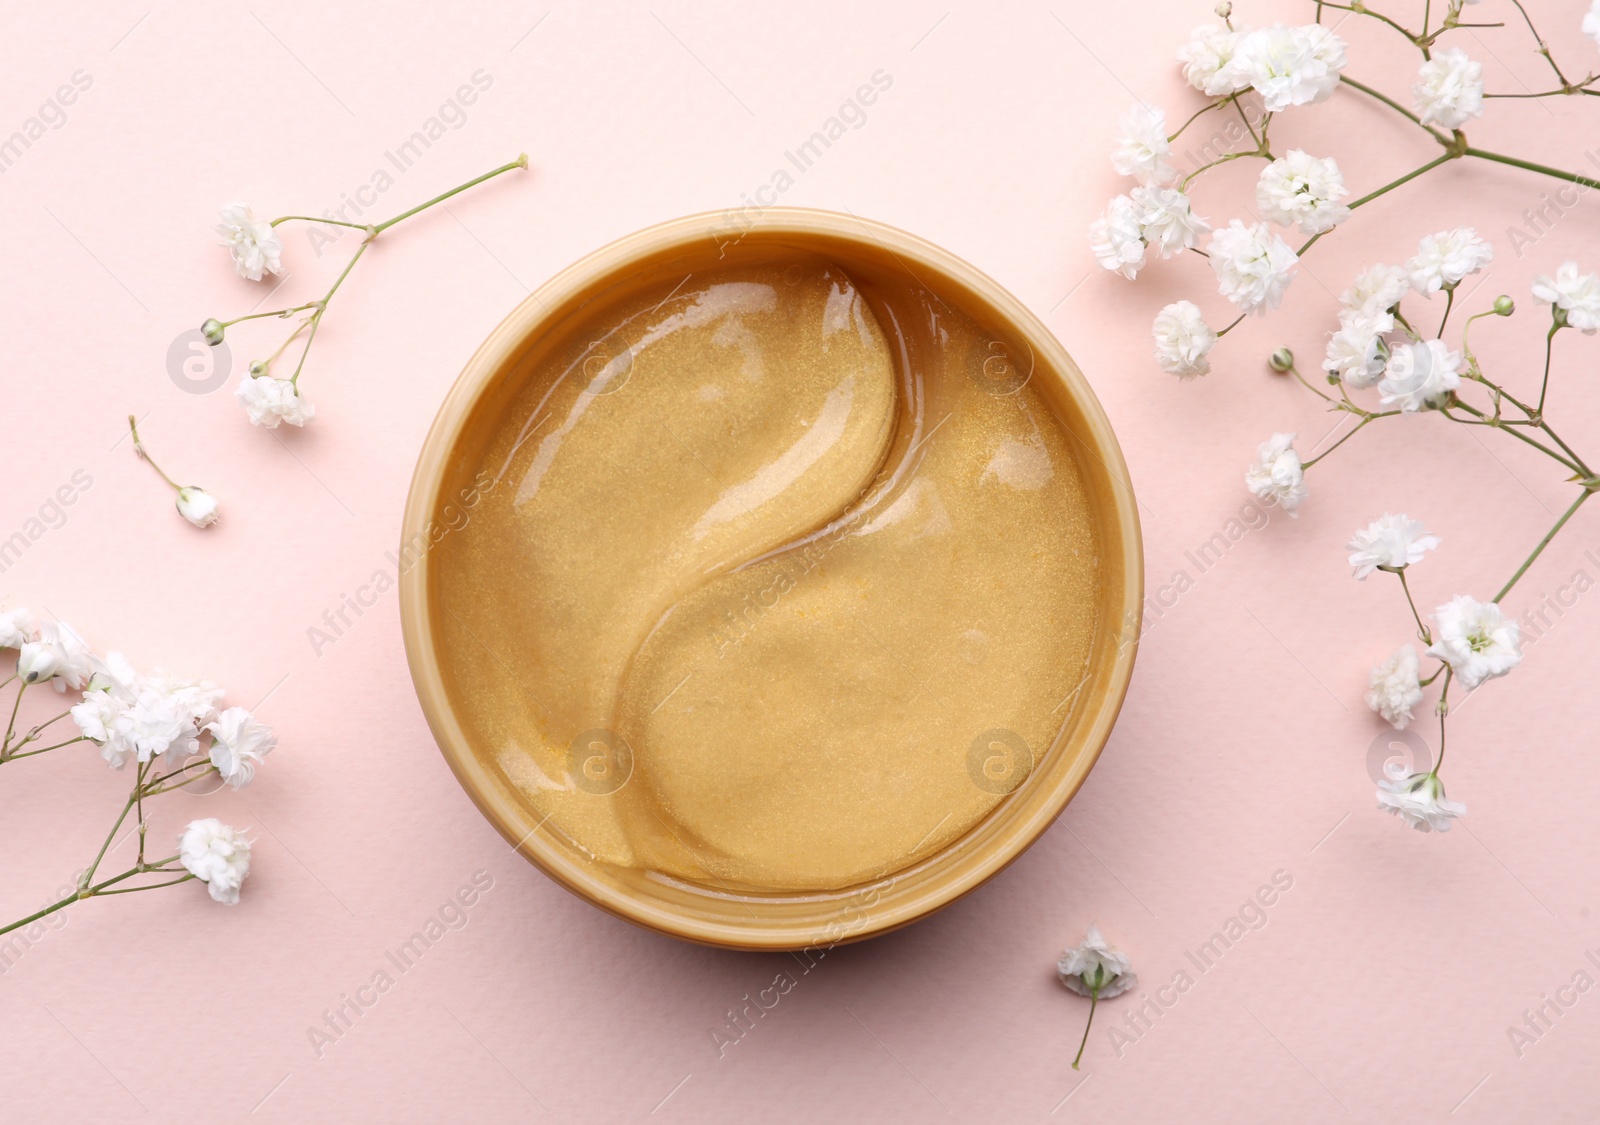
(1474, 639)
(150, 718)
(1287, 66)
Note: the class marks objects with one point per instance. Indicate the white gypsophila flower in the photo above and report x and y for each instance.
(1183, 339)
(1420, 376)
(1167, 220)
(238, 743)
(1117, 238)
(1443, 259)
(156, 722)
(1476, 639)
(1591, 22)
(1358, 351)
(1205, 58)
(1093, 967)
(1287, 65)
(58, 654)
(1576, 294)
(269, 401)
(1377, 289)
(217, 855)
(1253, 265)
(1278, 477)
(1389, 542)
(1419, 801)
(1449, 89)
(17, 628)
(1394, 687)
(197, 505)
(252, 242)
(1142, 146)
(1302, 190)
(196, 700)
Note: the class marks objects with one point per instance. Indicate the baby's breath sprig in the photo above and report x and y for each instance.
(257, 250)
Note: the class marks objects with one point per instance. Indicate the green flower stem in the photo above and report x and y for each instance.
(1366, 416)
(1544, 384)
(138, 447)
(1482, 419)
(1543, 169)
(1407, 178)
(314, 219)
(1190, 178)
(1396, 106)
(1238, 320)
(11, 727)
(520, 162)
(1449, 303)
(112, 835)
(281, 313)
(45, 749)
(99, 889)
(1423, 633)
(1543, 48)
(1444, 711)
(1362, 10)
(1203, 110)
(1545, 542)
(1094, 1000)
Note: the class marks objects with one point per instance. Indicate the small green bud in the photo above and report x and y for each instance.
(1504, 305)
(258, 369)
(1281, 360)
(1224, 10)
(212, 331)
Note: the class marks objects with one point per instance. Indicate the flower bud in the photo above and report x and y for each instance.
(197, 506)
(212, 330)
(1504, 305)
(1281, 360)
(38, 661)
(258, 369)
(1224, 10)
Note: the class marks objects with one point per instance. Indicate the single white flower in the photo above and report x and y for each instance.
(238, 743)
(217, 855)
(1277, 477)
(270, 401)
(1420, 376)
(112, 687)
(1377, 289)
(1142, 146)
(1445, 258)
(252, 242)
(1117, 239)
(1253, 265)
(17, 628)
(1393, 687)
(1205, 60)
(1167, 220)
(58, 654)
(1419, 801)
(1576, 294)
(1183, 339)
(1304, 190)
(1093, 967)
(1476, 639)
(197, 505)
(1390, 543)
(1358, 351)
(1288, 65)
(1449, 89)
(1591, 22)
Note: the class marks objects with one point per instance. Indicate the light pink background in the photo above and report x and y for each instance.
(1384, 980)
